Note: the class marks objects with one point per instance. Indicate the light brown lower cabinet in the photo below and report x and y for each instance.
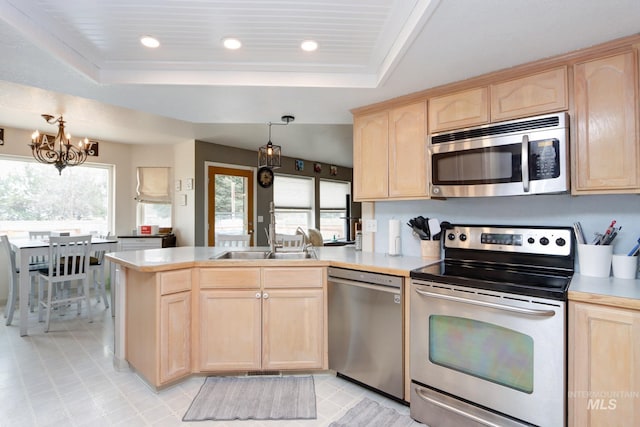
(158, 324)
(277, 323)
(604, 366)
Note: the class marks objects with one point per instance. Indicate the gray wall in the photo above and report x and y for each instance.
(207, 152)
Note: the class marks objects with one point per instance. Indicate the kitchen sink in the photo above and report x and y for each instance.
(292, 255)
(243, 255)
(264, 255)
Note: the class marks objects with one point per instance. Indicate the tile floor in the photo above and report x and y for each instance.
(66, 378)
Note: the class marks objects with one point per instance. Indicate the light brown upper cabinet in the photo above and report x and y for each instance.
(459, 110)
(407, 151)
(605, 133)
(390, 158)
(371, 156)
(540, 93)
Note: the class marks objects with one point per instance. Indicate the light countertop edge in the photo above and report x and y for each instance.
(622, 293)
(608, 291)
(154, 260)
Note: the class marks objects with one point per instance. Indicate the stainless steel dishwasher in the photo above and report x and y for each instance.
(365, 329)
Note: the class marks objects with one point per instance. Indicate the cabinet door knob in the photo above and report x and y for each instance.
(258, 295)
(265, 295)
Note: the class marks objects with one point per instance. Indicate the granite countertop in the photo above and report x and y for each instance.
(151, 260)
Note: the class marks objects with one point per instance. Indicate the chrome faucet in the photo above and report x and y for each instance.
(272, 228)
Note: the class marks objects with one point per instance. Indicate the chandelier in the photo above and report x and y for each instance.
(58, 150)
(269, 154)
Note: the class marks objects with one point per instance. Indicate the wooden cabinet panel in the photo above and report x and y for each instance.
(175, 281)
(293, 328)
(370, 156)
(287, 277)
(175, 336)
(604, 366)
(230, 277)
(606, 125)
(230, 330)
(407, 151)
(536, 94)
(459, 110)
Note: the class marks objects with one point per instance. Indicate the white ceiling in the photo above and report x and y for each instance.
(83, 58)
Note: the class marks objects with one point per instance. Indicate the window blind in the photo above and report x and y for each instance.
(153, 185)
(333, 194)
(292, 192)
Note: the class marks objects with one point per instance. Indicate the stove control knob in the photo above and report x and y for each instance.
(560, 241)
(544, 241)
(451, 236)
(531, 240)
(463, 237)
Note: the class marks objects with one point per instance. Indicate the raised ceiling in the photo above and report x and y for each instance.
(83, 58)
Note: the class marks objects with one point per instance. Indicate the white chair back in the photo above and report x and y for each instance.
(290, 242)
(233, 240)
(69, 257)
(39, 235)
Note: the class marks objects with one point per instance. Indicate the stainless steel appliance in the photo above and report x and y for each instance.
(365, 329)
(518, 157)
(488, 328)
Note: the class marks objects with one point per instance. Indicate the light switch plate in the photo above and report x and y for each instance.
(182, 200)
(178, 185)
(188, 184)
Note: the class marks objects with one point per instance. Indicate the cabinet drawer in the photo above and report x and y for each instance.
(175, 281)
(287, 277)
(135, 244)
(246, 278)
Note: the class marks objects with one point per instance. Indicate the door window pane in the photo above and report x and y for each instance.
(231, 204)
(481, 349)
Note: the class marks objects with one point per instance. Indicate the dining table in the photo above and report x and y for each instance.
(25, 249)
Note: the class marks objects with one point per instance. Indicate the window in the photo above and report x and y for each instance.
(154, 197)
(35, 197)
(293, 203)
(333, 208)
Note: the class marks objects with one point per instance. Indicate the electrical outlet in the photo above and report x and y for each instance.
(370, 225)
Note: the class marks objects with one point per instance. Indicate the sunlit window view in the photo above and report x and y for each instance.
(35, 197)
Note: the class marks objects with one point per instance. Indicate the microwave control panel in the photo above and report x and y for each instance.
(544, 159)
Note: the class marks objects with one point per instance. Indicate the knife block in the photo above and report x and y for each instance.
(430, 249)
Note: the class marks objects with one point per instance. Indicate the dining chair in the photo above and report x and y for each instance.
(68, 262)
(12, 297)
(36, 263)
(290, 242)
(96, 272)
(233, 240)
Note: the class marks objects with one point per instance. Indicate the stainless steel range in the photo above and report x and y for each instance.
(488, 328)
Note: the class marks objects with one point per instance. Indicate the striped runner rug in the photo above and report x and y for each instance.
(254, 398)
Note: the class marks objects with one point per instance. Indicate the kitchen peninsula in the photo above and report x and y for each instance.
(182, 311)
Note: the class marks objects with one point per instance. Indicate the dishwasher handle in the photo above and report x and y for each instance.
(381, 288)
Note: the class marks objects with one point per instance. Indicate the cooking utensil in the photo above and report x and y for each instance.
(434, 226)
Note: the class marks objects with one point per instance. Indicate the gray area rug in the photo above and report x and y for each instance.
(368, 413)
(254, 398)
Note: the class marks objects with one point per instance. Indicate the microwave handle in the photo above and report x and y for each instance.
(525, 163)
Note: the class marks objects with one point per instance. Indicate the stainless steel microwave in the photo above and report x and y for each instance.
(517, 157)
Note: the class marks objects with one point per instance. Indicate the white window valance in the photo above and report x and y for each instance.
(153, 185)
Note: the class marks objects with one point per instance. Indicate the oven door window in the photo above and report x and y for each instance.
(489, 165)
(493, 353)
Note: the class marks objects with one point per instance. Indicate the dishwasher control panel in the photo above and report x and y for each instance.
(364, 277)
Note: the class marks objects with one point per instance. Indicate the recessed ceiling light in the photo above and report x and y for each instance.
(309, 45)
(149, 41)
(231, 43)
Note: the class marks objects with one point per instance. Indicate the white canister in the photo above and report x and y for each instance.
(394, 237)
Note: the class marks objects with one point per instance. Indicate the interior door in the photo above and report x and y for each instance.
(230, 202)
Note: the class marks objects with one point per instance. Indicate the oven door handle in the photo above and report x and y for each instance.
(443, 405)
(520, 310)
(525, 163)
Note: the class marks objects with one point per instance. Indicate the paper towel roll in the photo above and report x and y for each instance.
(394, 237)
